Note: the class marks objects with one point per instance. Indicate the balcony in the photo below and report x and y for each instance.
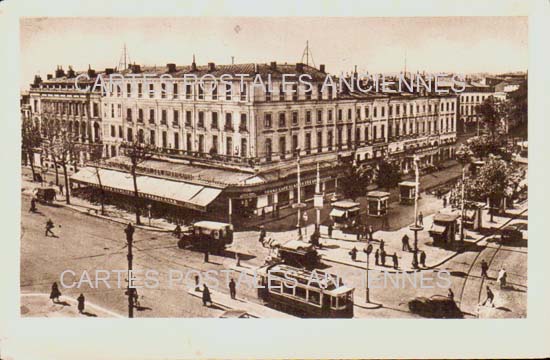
(228, 127)
(243, 128)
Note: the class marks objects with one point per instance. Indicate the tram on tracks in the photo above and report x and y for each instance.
(304, 293)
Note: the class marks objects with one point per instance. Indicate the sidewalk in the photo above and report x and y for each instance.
(85, 207)
(40, 305)
(255, 310)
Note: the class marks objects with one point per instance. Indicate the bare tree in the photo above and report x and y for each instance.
(30, 140)
(96, 152)
(62, 146)
(137, 152)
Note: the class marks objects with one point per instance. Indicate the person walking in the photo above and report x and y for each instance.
(382, 243)
(484, 269)
(353, 254)
(330, 230)
(377, 256)
(232, 289)
(395, 261)
(55, 293)
(405, 243)
(501, 279)
(262, 234)
(197, 283)
(206, 255)
(49, 227)
(415, 260)
(81, 303)
(129, 232)
(60, 189)
(383, 257)
(371, 231)
(177, 231)
(206, 298)
(33, 205)
(420, 218)
(490, 297)
(423, 258)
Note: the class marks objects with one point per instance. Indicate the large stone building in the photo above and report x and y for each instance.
(234, 150)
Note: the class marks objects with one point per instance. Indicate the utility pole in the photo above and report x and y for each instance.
(319, 202)
(416, 227)
(130, 290)
(298, 205)
(462, 206)
(367, 251)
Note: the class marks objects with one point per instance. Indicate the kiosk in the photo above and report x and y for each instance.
(377, 203)
(444, 228)
(344, 212)
(407, 190)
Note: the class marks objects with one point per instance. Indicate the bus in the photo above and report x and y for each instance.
(304, 293)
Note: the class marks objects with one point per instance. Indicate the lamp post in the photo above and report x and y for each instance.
(318, 201)
(367, 251)
(416, 227)
(462, 206)
(298, 205)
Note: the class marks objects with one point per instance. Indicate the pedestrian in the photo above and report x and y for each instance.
(484, 269)
(423, 258)
(371, 231)
(262, 234)
(415, 260)
(206, 296)
(55, 293)
(49, 227)
(358, 235)
(395, 261)
(376, 256)
(353, 253)
(81, 303)
(405, 243)
(501, 279)
(129, 232)
(232, 289)
(60, 189)
(33, 205)
(420, 218)
(382, 245)
(451, 294)
(263, 213)
(197, 283)
(206, 255)
(490, 297)
(383, 257)
(177, 231)
(330, 230)
(444, 201)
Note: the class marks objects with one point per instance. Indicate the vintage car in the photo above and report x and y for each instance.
(45, 195)
(208, 236)
(511, 233)
(436, 306)
(298, 253)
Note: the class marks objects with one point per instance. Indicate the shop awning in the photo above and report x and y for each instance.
(179, 193)
(438, 229)
(337, 213)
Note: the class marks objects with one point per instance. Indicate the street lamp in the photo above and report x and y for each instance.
(298, 205)
(416, 227)
(368, 251)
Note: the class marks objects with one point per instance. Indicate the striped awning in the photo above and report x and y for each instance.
(179, 193)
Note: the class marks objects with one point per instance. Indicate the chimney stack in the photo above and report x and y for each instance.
(49, 76)
(171, 68)
(322, 68)
(193, 64)
(273, 66)
(136, 69)
(211, 66)
(109, 71)
(59, 72)
(299, 67)
(37, 80)
(70, 72)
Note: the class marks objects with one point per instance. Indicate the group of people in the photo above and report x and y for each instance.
(207, 297)
(55, 294)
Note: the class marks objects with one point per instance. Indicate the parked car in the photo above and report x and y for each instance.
(511, 233)
(207, 235)
(45, 195)
(436, 306)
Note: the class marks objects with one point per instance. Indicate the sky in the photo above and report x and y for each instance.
(377, 45)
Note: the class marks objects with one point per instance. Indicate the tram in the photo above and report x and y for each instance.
(307, 294)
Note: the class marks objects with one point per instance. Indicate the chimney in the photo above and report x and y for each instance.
(171, 68)
(273, 66)
(49, 76)
(109, 71)
(211, 66)
(193, 64)
(322, 68)
(91, 72)
(70, 72)
(37, 80)
(59, 72)
(299, 67)
(136, 69)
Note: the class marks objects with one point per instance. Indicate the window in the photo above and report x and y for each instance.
(188, 92)
(397, 109)
(308, 117)
(189, 145)
(295, 92)
(268, 149)
(340, 115)
(152, 137)
(228, 122)
(267, 120)
(330, 140)
(300, 292)
(176, 117)
(152, 116)
(113, 131)
(282, 120)
(129, 115)
(329, 116)
(383, 132)
(140, 90)
(214, 120)
(175, 90)
(129, 135)
(294, 144)
(349, 114)
(112, 110)
(314, 297)
(319, 116)
(374, 111)
(295, 118)
(164, 140)
(383, 111)
(214, 149)
(243, 92)
(201, 143)
(308, 93)
(374, 132)
(188, 118)
(366, 134)
(319, 91)
(267, 93)
(228, 92)
(151, 90)
(200, 122)
(281, 92)
(243, 147)
(215, 91)
(163, 90)
(201, 91)
(308, 143)
(176, 141)
(282, 146)
(320, 141)
(242, 125)
(164, 117)
(367, 112)
(128, 90)
(120, 133)
(140, 115)
(141, 137)
(229, 146)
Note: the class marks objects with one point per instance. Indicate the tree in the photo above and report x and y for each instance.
(491, 115)
(389, 174)
(137, 152)
(355, 180)
(62, 147)
(517, 104)
(96, 153)
(464, 155)
(50, 130)
(30, 140)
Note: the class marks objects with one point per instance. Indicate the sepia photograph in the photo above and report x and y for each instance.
(274, 167)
